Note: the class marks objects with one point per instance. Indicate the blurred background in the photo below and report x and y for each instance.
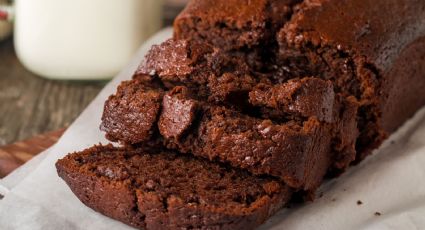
(60, 55)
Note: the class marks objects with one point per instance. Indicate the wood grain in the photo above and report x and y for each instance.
(31, 105)
(16, 154)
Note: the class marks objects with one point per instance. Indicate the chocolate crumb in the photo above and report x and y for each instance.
(150, 184)
(359, 202)
(321, 195)
(333, 199)
(1, 196)
(377, 213)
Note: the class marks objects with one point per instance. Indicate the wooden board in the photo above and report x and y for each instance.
(14, 155)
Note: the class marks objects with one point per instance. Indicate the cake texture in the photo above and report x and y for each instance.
(250, 102)
(322, 107)
(154, 189)
(376, 57)
(294, 130)
(233, 24)
(132, 112)
(213, 74)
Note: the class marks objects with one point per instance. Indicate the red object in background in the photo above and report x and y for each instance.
(3, 15)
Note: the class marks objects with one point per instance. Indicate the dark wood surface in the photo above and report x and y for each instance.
(31, 105)
(14, 155)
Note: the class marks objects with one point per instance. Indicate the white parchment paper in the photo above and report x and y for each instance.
(390, 183)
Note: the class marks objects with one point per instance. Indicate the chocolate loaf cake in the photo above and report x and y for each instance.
(153, 189)
(261, 98)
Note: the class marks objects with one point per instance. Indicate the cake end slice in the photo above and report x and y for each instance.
(153, 189)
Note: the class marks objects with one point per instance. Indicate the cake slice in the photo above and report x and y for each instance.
(212, 74)
(133, 111)
(149, 188)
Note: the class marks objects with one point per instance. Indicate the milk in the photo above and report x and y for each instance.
(82, 39)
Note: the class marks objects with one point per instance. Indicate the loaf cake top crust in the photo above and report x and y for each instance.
(359, 26)
(232, 24)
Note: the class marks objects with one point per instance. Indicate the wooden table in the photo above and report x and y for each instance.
(31, 105)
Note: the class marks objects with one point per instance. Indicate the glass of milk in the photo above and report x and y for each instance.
(82, 39)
